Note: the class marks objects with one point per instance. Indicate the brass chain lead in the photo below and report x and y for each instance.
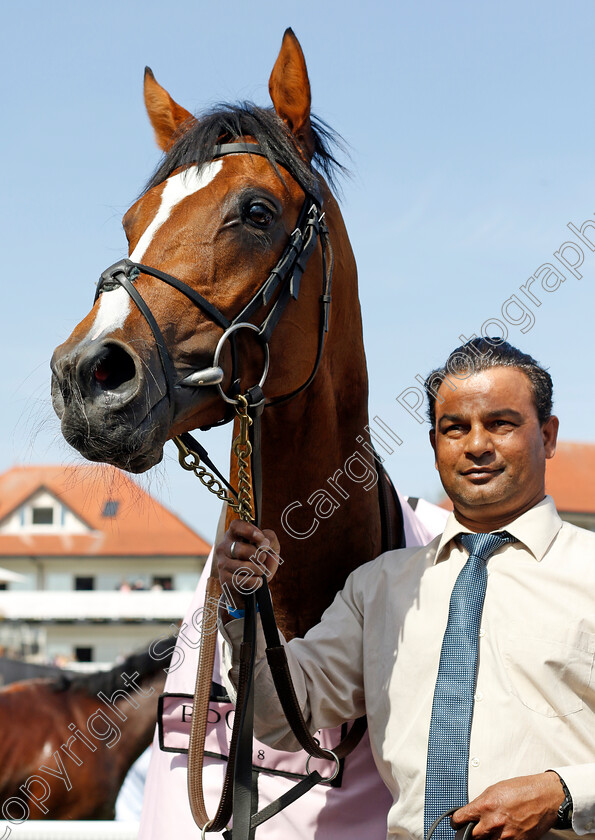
(242, 449)
(190, 461)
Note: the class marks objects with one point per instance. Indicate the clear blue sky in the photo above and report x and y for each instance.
(471, 131)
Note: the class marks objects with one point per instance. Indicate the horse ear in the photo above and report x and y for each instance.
(289, 87)
(167, 117)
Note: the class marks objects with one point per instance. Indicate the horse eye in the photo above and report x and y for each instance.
(259, 214)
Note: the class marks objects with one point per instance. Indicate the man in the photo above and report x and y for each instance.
(471, 661)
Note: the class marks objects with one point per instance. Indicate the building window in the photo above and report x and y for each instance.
(83, 654)
(162, 583)
(43, 516)
(110, 508)
(84, 584)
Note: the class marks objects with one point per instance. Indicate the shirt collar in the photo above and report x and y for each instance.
(536, 529)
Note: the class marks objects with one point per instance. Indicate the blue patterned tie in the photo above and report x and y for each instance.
(450, 727)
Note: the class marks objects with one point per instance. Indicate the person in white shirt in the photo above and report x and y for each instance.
(530, 748)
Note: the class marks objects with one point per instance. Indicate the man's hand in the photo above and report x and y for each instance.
(524, 808)
(255, 553)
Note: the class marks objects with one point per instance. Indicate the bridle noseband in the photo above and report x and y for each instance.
(284, 277)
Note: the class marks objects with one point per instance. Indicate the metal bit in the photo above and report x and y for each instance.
(204, 377)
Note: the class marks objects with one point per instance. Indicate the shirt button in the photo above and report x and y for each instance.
(474, 762)
(479, 696)
(482, 633)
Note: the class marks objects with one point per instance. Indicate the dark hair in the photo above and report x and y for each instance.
(484, 353)
(225, 123)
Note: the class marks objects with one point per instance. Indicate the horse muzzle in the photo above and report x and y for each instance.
(112, 408)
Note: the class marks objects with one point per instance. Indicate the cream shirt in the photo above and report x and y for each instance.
(377, 648)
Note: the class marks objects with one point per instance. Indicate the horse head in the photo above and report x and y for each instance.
(162, 348)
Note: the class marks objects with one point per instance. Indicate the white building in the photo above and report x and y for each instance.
(104, 567)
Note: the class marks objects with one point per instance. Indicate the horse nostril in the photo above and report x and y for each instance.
(108, 367)
(114, 368)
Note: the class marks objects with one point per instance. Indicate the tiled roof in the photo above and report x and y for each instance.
(569, 477)
(141, 526)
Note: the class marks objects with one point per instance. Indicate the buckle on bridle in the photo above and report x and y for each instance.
(108, 280)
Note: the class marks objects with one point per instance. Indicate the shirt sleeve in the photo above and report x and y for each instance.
(326, 667)
(580, 781)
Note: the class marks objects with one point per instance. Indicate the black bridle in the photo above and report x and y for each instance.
(284, 277)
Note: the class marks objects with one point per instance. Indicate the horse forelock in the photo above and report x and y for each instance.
(226, 123)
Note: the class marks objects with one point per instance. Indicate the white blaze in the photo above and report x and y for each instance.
(113, 310)
(114, 306)
(176, 189)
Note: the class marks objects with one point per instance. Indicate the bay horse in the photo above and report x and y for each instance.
(212, 226)
(67, 742)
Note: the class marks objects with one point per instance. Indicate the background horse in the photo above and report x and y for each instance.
(219, 225)
(66, 744)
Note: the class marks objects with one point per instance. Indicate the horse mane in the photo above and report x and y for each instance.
(141, 662)
(226, 123)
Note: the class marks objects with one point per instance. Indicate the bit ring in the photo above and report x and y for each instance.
(231, 551)
(233, 328)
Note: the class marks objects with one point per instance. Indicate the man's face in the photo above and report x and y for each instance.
(490, 447)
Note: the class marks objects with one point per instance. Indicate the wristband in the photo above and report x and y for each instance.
(564, 818)
(239, 613)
